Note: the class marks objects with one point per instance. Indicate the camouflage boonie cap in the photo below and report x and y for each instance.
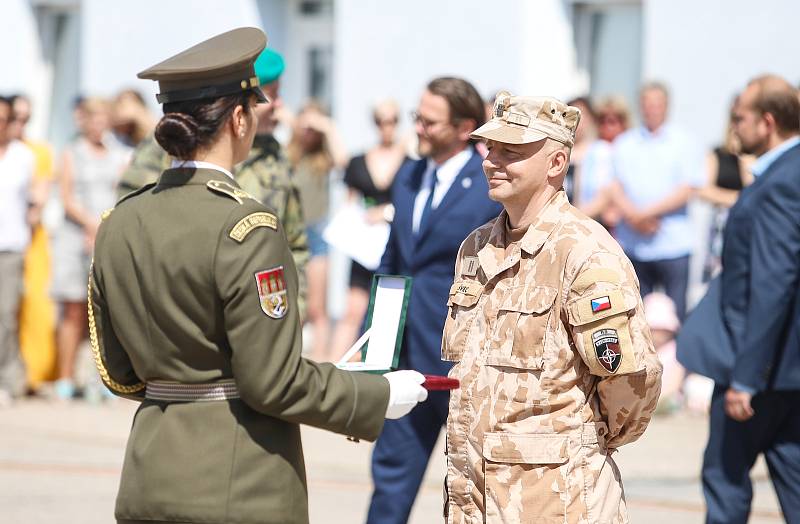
(526, 119)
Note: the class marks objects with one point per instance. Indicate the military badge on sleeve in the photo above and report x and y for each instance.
(272, 292)
(601, 304)
(606, 347)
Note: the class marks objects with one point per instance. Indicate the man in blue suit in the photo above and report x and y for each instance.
(755, 406)
(438, 201)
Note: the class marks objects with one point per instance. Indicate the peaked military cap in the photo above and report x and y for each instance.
(222, 65)
(525, 119)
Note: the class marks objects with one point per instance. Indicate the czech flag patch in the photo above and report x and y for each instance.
(601, 304)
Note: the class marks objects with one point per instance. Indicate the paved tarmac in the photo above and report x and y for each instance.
(60, 462)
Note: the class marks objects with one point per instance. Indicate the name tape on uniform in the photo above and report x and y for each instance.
(470, 288)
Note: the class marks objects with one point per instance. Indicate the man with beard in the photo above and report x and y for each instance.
(438, 200)
(755, 407)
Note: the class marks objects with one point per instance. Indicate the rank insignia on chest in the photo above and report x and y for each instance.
(272, 292)
(601, 304)
(469, 266)
(606, 347)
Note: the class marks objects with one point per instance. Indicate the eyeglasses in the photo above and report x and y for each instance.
(386, 122)
(424, 122)
(610, 119)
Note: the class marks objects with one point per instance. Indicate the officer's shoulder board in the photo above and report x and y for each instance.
(136, 192)
(226, 189)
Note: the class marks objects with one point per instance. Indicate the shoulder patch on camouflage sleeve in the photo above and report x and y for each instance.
(251, 222)
(225, 188)
(602, 332)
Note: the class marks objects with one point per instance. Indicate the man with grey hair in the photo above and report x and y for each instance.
(547, 329)
(656, 168)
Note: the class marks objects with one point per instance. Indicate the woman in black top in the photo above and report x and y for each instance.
(728, 173)
(369, 177)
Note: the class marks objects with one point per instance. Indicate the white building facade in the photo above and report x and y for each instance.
(350, 53)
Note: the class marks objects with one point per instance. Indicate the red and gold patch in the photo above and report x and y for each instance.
(272, 292)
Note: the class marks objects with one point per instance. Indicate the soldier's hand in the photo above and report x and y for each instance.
(405, 391)
(737, 405)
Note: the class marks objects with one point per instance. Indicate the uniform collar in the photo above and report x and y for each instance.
(188, 175)
(492, 256)
(199, 164)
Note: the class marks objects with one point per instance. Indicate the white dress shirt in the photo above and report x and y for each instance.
(199, 164)
(446, 173)
(16, 173)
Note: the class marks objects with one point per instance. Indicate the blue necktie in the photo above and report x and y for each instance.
(426, 211)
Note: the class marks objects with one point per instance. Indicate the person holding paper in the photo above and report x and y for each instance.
(438, 200)
(193, 311)
(548, 333)
(369, 178)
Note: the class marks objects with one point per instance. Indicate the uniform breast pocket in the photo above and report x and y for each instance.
(462, 307)
(521, 328)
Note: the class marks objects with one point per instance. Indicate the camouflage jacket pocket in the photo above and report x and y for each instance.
(520, 331)
(525, 477)
(462, 307)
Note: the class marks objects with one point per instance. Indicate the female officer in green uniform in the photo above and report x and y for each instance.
(193, 312)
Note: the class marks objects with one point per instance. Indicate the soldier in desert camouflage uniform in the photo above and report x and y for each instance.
(265, 174)
(546, 326)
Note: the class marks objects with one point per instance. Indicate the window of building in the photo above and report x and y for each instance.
(608, 41)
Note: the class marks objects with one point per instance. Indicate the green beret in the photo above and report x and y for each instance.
(269, 66)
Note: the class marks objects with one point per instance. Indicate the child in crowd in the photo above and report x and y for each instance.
(664, 324)
(676, 388)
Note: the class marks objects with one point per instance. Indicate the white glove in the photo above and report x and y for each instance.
(405, 391)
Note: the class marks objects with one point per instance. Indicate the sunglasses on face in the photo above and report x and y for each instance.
(610, 119)
(386, 122)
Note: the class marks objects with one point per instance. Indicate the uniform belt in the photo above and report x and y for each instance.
(177, 392)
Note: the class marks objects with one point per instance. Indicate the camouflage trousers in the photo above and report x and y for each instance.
(547, 478)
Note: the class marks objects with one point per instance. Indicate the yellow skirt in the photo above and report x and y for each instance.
(37, 316)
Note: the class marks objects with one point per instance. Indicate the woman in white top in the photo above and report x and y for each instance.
(89, 170)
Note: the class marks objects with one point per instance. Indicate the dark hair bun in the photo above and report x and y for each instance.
(177, 134)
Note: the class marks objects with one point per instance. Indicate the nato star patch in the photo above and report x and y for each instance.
(606, 347)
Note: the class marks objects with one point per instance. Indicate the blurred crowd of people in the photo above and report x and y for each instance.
(635, 179)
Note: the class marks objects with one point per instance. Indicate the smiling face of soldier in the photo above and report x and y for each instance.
(523, 177)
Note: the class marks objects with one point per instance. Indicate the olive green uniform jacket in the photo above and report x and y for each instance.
(265, 174)
(174, 297)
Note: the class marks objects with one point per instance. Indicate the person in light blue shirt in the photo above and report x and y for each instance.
(656, 169)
